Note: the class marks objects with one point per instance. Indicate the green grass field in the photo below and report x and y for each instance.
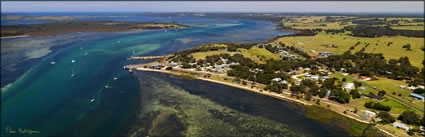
(353, 127)
(259, 55)
(344, 42)
(202, 55)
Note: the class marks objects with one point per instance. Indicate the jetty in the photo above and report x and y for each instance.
(148, 57)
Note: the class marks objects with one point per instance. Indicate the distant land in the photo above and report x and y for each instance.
(47, 29)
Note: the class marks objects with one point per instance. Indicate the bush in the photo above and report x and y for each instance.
(386, 118)
(381, 93)
(355, 94)
(377, 106)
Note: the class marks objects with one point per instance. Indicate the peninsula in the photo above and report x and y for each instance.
(48, 29)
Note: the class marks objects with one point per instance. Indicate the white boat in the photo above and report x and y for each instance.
(118, 41)
(73, 74)
(106, 86)
(85, 54)
(92, 100)
(130, 70)
(133, 52)
(81, 48)
(73, 61)
(53, 63)
(115, 78)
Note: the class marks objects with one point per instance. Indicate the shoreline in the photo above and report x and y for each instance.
(266, 93)
(275, 95)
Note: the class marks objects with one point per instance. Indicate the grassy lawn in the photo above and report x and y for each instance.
(376, 45)
(353, 127)
(202, 55)
(390, 86)
(408, 27)
(259, 55)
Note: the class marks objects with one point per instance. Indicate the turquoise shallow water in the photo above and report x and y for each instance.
(47, 99)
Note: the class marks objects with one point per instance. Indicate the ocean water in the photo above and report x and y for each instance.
(44, 97)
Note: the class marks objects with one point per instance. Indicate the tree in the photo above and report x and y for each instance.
(308, 96)
(357, 83)
(355, 94)
(344, 79)
(340, 96)
(386, 117)
(409, 117)
(381, 93)
(318, 103)
(244, 83)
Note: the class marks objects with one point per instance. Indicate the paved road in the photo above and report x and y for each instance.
(391, 96)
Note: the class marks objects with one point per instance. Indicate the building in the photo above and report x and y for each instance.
(364, 78)
(325, 54)
(277, 79)
(349, 86)
(362, 88)
(315, 77)
(370, 114)
(400, 125)
(417, 96)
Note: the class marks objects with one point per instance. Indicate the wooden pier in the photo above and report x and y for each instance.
(148, 57)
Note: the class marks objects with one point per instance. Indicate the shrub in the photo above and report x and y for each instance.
(386, 117)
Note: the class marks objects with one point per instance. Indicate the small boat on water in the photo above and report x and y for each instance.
(53, 63)
(115, 78)
(118, 41)
(81, 48)
(130, 70)
(92, 100)
(106, 86)
(73, 74)
(133, 52)
(73, 61)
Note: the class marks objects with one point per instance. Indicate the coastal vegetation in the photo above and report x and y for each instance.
(47, 29)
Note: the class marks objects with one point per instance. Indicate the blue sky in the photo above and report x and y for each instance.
(212, 6)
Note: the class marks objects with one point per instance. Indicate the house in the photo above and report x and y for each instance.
(277, 79)
(370, 114)
(400, 125)
(349, 86)
(174, 63)
(328, 93)
(325, 54)
(325, 77)
(403, 87)
(313, 57)
(312, 51)
(364, 78)
(411, 88)
(362, 88)
(417, 96)
(315, 77)
(284, 82)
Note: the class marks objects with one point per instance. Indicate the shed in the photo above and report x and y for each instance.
(416, 96)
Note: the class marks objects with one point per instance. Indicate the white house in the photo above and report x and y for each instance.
(370, 114)
(277, 79)
(315, 77)
(400, 125)
(349, 86)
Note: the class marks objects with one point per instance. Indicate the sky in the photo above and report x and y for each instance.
(212, 6)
